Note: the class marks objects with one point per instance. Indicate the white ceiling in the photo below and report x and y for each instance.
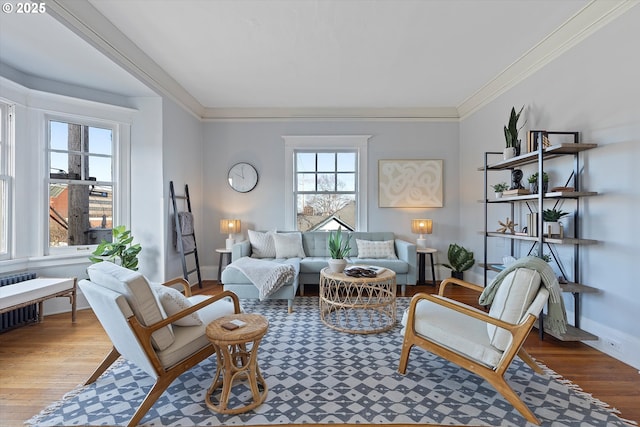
(220, 57)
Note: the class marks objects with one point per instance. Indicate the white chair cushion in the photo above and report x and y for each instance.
(288, 245)
(262, 244)
(376, 249)
(190, 339)
(173, 301)
(458, 332)
(511, 302)
(139, 295)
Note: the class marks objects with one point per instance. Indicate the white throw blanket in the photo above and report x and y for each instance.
(267, 276)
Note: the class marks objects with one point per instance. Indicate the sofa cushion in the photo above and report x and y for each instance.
(262, 244)
(288, 245)
(376, 249)
(173, 301)
(139, 295)
(511, 301)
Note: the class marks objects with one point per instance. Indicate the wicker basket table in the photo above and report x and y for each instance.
(360, 305)
(237, 361)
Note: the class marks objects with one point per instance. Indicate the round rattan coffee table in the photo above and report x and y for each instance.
(359, 305)
(237, 361)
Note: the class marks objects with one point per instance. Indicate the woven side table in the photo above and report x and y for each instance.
(359, 305)
(237, 354)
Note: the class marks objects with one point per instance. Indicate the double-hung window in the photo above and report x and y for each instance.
(326, 182)
(80, 181)
(6, 138)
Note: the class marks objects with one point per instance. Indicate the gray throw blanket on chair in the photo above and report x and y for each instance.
(267, 276)
(556, 314)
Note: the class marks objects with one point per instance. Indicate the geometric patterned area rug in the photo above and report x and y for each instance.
(317, 375)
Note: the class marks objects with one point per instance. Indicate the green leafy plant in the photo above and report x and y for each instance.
(339, 247)
(500, 187)
(553, 215)
(460, 259)
(511, 131)
(533, 178)
(121, 250)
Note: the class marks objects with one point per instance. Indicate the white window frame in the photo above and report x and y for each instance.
(358, 143)
(120, 178)
(7, 137)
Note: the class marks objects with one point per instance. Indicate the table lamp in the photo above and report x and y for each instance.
(421, 227)
(229, 226)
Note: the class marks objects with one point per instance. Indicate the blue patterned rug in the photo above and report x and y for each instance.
(318, 375)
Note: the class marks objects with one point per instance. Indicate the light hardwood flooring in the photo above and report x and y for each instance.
(39, 363)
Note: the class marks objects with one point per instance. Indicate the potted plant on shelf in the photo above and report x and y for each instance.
(551, 225)
(533, 182)
(460, 260)
(339, 248)
(511, 132)
(120, 250)
(499, 188)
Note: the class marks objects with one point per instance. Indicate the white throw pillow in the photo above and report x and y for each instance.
(173, 301)
(512, 299)
(262, 244)
(288, 245)
(376, 249)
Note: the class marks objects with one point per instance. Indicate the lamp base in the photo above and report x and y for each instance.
(421, 243)
(229, 243)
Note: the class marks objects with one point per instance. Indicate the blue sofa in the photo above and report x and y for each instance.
(316, 250)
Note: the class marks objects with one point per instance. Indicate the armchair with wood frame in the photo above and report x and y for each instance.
(483, 343)
(154, 326)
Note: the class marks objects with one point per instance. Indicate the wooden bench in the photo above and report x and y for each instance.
(36, 291)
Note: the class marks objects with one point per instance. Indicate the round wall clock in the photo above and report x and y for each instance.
(243, 177)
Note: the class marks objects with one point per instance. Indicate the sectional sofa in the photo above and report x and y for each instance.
(308, 253)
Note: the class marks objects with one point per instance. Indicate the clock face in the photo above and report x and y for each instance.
(243, 177)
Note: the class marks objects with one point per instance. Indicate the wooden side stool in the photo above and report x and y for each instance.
(237, 361)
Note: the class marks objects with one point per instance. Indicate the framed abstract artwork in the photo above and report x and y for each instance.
(410, 183)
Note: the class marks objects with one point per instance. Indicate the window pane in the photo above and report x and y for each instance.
(79, 214)
(326, 162)
(59, 165)
(100, 168)
(326, 182)
(306, 162)
(306, 182)
(347, 162)
(346, 182)
(59, 136)
(100, 141)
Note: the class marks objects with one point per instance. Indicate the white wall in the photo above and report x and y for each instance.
(594, 89)
(260, 143)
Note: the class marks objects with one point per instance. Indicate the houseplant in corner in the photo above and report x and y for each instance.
(460, 260)
(120, 250)
(511, 135)
(338, 249)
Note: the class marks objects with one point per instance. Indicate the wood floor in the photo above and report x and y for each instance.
(40, 363)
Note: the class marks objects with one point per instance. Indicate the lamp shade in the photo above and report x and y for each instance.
(229, 226)
(421, 226)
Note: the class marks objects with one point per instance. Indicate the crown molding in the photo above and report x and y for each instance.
(85, 20)
(226, 114)
(585, 22)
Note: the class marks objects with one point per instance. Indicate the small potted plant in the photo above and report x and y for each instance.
(460, 260)
(339, 248)
(121, 250)
(511, 134)
(499, 188)
(551, 219)
(533, 182)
